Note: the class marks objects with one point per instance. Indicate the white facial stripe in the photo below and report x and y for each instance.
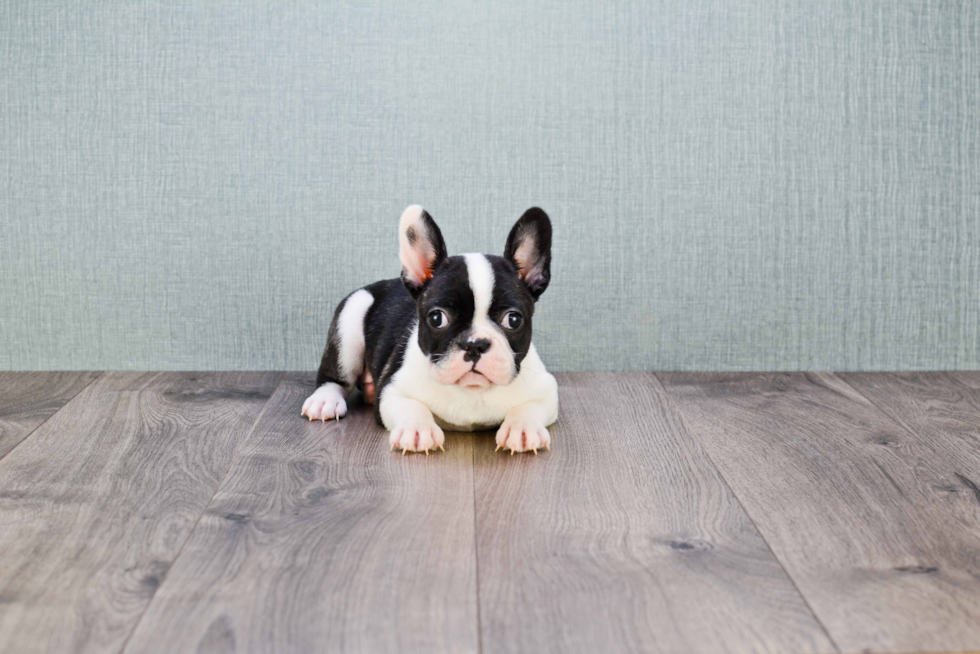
(498, 362)
(350, 329)
(481, 283)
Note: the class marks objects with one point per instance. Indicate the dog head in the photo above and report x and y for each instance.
(474, 310)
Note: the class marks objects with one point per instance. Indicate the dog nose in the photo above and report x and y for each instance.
(475, 348)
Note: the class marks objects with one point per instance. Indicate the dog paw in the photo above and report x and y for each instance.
(326, 403)
(522, 435)
(417, 437)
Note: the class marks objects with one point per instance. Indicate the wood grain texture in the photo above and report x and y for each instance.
(858, 509)
(322, 540)
(624, 538)
(970, 378)
(27, 399)
(95, 506)
(941, 410)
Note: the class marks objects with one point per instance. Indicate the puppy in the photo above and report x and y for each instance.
(448, 345)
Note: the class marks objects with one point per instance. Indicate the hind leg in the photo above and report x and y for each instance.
(342, 364)
(367, 386)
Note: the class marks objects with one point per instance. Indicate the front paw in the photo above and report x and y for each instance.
(326, 403)
(523, 435)
(417, 437)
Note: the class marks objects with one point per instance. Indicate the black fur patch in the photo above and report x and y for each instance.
(510, 294)
(449, 290)
(387, 326)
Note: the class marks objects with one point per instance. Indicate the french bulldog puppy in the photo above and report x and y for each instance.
(447, 345)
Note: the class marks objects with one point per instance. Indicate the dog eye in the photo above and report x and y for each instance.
(438, 319)
(513, 320)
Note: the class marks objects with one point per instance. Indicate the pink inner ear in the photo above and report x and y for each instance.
(528, 267)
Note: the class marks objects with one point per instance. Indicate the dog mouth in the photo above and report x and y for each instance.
(473, 378)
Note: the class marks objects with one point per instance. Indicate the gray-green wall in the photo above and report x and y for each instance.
(734, 184)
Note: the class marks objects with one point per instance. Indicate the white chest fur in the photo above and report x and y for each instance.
(466, 409)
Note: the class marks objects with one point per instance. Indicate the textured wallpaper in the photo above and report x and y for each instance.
(734, 184)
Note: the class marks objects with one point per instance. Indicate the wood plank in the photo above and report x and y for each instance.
(969, 378)
(27, 399)
(321, 539)
(941, 413)
(624, 538)
(941, 410)
(95, 506)
(851, 503)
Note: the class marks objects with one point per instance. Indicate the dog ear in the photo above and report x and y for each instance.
(529, 249)
(421, 248)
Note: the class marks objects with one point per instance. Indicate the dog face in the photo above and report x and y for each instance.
(475, 310)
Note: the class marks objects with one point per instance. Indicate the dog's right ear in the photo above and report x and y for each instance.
(421, 248)
(529, 249)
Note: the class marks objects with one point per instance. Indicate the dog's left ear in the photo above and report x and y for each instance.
(420, 248)
(529, 249)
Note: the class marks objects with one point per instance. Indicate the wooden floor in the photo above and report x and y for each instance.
(186, 512)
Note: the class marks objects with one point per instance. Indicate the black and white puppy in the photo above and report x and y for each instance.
(448, 345)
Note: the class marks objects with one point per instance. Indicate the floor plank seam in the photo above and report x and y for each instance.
(755, 526)
(98, 375)
(156, 591)
(476, 556)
